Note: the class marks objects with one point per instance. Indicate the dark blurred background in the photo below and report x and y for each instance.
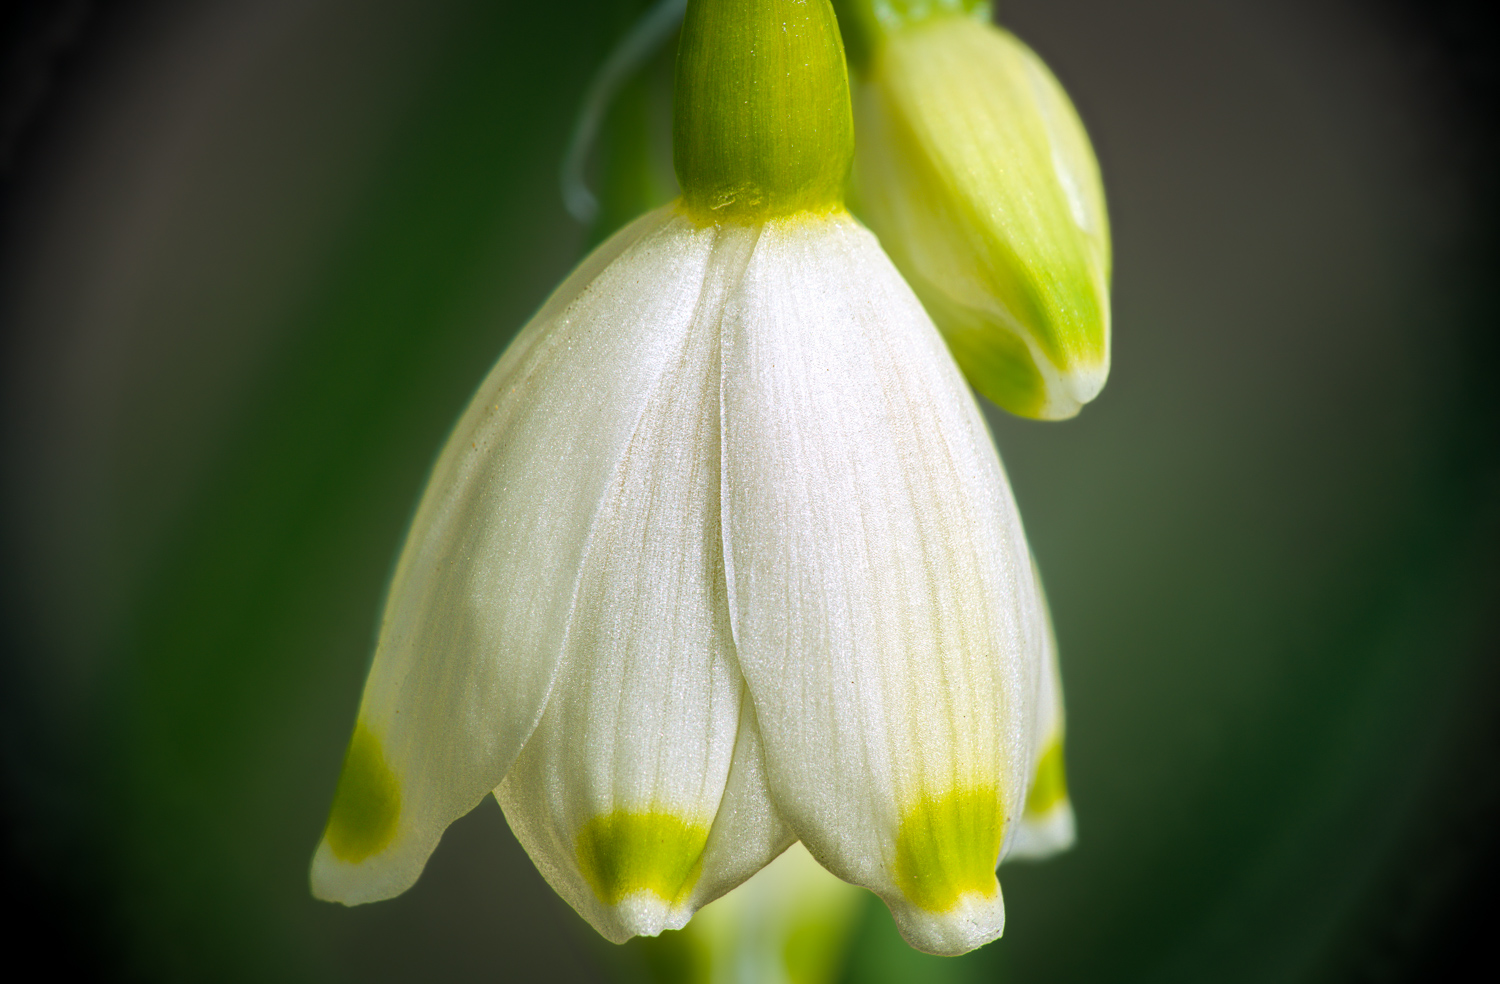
(256, 255)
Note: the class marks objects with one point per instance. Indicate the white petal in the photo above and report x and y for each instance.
(616, 793)
(479, 608)
(880, 589)
(748, 833)
(1046, 826)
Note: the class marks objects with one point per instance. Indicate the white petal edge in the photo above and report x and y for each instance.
(1042, 833)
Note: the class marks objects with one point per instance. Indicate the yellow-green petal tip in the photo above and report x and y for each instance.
(628, 852)
(367, 804)
(947, 848)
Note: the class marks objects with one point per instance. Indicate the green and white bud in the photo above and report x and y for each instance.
(976, 173)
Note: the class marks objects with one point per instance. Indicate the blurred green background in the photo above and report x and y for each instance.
(257, 255)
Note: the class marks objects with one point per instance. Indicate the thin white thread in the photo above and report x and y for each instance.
(634, 49)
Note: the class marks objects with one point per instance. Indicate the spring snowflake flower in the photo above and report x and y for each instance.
(721, 557)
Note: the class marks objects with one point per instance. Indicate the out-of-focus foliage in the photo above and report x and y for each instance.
(259, 255)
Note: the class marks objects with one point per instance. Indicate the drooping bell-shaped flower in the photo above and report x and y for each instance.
(974, 170)
(721, 556)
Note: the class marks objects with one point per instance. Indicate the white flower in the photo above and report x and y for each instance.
(721, 556)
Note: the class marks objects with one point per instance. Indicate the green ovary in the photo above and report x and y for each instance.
(948, 846)
(626, 852)
(1049, 786)
(367, 803)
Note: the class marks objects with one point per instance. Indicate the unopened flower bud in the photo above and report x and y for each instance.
(976, 174)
